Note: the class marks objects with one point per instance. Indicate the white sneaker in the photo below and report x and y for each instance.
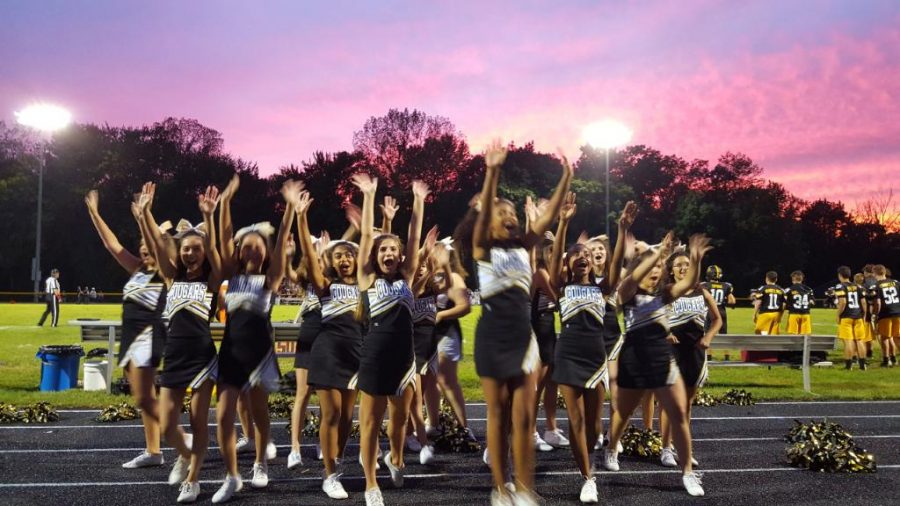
(619, 447)
(373, 497)
(333, 488)
(610, 460)
(230, 486)
(188, 441)
(667, 458)
(189, 491)
(260, 475)
(245, 445)
(179, 471)
(541, 445)
(589, 491)
(412, 443)
(486, 458)
(145, 459)
(318, 452)
(396, 472)
(693, 460)
(599, 443)
(693, 484)
(294, 460)
(426, 455)
(500, 498)
(271, 451)
(556, 439)
(377, 456)
(524, 498)
(432, 431)
(510, 486)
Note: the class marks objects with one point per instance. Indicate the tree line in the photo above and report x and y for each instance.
(756, 224)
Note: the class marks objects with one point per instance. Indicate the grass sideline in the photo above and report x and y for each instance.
(20, 340)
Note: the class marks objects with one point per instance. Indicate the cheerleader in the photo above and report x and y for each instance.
(387, 360)
(247, 361)
(687, 320)
(335, 351)
(143, 332)
(506, 353)
(189, 356)
(647, 362)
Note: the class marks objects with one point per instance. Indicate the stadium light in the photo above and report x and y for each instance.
(46, 118)
(607, 134)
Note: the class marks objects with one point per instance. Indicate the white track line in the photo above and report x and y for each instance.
(354, 445)
(50, 427)
(419, 476)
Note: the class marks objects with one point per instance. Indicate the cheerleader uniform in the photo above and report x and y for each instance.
(687, 320)
(387, 364)
(543, 323)
(143, 330)
(247, 355)
(448, 333)
(646, 360)
(335, 352)
(580, 352)
(310, 326)
(612, 332)
(424, 311)
(505, 346)
(190, 357)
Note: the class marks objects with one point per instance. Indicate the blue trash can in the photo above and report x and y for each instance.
(59, 367)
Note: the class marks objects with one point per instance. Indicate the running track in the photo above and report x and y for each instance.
(740, 449)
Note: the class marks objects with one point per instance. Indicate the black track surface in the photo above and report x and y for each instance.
(740, 449)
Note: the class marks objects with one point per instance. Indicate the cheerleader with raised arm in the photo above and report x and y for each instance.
(647, 361)
(143, 331)
(687, 321)
(334, 354)
(189, 356)
(506, 354)
(387, 362)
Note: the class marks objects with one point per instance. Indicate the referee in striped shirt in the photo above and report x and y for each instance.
(53, 294)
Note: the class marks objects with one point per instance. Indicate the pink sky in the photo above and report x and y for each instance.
(809, 89)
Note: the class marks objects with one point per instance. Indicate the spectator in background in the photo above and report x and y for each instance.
(52, 294)
(92, 295)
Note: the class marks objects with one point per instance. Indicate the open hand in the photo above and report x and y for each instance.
(567, 211)
(303, 202)
(495, 154)
(389, 208)
(92, 201)
(208, 200)
(232, 188)
(629, 213)
(420, 189)
(366, 183)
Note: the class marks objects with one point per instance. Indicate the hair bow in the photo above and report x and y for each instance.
(184, 228)
(263, 228)
(447, 242)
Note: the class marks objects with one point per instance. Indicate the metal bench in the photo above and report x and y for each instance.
(781, 342)
(110, 332)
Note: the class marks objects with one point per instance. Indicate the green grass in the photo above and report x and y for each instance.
(20, 340)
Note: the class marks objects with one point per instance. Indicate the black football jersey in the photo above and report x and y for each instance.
(720, 290)
(853, 294)
(887, 292)
(771, 298)
(798, 297)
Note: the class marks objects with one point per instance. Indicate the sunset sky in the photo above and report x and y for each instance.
(809, 89)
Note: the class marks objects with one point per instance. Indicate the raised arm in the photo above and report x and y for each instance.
(629, 285)
(307, 248)
(365, 271)
(559, 241)
(698, 246)
(167, 265)
(542, 224)
(207, 202)
(354, 217)
(411, 261)
(277, 264)
(226, 227)
(493, 159)
(388, 211)
(126, 259)
(614, 265)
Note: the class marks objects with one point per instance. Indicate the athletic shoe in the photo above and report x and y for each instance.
(413, 444)
(500, 498)
(189, 491)
(524, 498)
(610, 460)
(145, 459)
(599, 444)
(230, 486)
(667, 458)
(377, 456)
(541, 445)
(333, 488)
(619, 447)
(675, 454)
(189, 441)
(470, 435)
(271, 451)
(294, 460)
(556, 439)
(510, 486)
(260, 475)
(862, 364)
(318, 452)
(245, 445)
(693, 484)
(179, 471)
(486, 458)
(589, 491)
(396, 472)
(373, 497)
(426, 455)
(432, 431)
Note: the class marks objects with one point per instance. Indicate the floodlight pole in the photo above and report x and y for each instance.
(36, 262)
(606, 186)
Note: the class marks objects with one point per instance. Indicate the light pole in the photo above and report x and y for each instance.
(607, 134)
(46, 119)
